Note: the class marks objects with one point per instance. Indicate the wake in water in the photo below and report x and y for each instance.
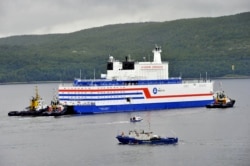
(118, 122)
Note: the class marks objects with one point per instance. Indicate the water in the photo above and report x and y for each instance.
(206, 136)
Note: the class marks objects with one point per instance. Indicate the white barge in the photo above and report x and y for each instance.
(135, 86)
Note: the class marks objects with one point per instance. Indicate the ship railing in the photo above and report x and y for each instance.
(197, 81)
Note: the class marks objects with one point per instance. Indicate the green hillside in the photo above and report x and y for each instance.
(192, 47)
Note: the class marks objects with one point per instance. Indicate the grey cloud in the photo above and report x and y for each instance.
(57, 16)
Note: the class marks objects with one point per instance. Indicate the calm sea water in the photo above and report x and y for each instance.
(218, 137)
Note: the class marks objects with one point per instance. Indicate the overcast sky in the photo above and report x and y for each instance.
(18, 17)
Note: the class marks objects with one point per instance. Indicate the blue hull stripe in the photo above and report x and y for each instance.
(106, 94)
(91, 109)
(99, 99)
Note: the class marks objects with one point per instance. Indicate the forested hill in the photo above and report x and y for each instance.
(192, 47)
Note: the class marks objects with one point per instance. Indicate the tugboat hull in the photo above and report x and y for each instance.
(27, 113)
(220, 105)
(42, 112)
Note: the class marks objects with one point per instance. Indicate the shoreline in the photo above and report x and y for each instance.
(34, 82)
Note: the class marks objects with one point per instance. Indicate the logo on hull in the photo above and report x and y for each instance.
(155, 90)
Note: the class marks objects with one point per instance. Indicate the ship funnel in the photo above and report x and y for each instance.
(157, 54)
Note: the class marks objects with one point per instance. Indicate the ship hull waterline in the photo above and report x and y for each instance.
(93, 109)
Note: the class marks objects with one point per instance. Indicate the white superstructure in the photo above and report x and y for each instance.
(130, 70)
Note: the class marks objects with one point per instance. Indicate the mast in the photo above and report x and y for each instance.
(157, 54)
(37, 95)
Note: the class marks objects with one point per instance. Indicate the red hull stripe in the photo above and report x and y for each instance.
(145, 90)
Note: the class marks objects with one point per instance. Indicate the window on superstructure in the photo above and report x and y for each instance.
(128, 66)
(110, 66)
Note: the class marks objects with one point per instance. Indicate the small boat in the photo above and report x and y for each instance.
(221, 100)
(135, 119)
(55, 108)
(141, 137)
(37, 107)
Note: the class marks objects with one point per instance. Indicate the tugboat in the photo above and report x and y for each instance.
(221, 100)
(141, 137)
(55, 108)
(36, 108)
(135, 119)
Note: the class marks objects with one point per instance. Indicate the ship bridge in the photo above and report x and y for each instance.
(130, 70)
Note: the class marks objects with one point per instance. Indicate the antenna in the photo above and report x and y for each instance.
(37, 95)
(80, 74)
(220, 86)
